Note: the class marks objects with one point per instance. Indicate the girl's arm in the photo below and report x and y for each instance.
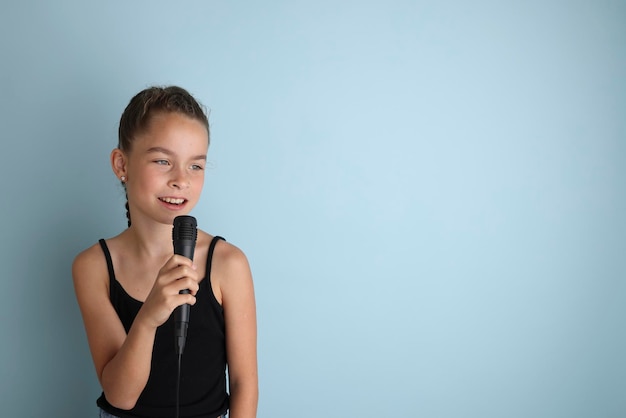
(123, 361)
(241, 336)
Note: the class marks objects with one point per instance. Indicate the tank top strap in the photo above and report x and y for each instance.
(107, 256)
(210, 255)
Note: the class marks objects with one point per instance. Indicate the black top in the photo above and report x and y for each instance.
(203, 371)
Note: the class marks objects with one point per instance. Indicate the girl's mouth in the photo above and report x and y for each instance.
(172, 200)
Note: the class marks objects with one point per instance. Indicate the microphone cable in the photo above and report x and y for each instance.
(179, 352)
(180, 356)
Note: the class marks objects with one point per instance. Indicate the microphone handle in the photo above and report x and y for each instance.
(181, 313)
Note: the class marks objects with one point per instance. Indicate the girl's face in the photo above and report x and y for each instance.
(165, 168)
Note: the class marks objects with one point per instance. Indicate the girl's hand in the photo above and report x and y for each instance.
(177, 274)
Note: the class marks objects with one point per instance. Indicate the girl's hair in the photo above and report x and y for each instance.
(149, 102)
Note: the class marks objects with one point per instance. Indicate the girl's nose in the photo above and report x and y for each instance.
(180, 180)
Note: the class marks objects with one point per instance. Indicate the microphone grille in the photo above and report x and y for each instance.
(185, 228)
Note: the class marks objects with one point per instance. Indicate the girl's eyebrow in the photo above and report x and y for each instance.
(170, 153)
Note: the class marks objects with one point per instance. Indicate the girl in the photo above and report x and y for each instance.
(128, 286)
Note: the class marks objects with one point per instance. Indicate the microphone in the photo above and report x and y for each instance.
(184, 237)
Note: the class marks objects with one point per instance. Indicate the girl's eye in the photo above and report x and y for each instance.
(196, 167)
(161, 162)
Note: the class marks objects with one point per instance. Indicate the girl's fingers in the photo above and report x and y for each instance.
(185, 298)
(174, 272)
(185, 283)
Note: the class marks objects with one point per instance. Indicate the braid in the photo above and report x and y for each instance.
(126, 205)
(127, 209)
(127, 212)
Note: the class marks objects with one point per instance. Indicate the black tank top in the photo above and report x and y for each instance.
(203, 371)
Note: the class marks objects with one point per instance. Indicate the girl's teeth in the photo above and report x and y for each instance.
(173, 201)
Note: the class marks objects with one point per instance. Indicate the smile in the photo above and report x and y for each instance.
(172, 200)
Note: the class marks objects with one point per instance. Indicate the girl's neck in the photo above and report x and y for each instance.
(154, 240)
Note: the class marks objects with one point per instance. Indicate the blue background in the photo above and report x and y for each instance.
(432, 195)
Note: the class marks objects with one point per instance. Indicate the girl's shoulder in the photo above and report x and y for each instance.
(230, 268)
(225, 253)
(93, 257)
(89, 271)
(90, 257)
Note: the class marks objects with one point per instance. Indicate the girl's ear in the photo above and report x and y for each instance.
(118, 163)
